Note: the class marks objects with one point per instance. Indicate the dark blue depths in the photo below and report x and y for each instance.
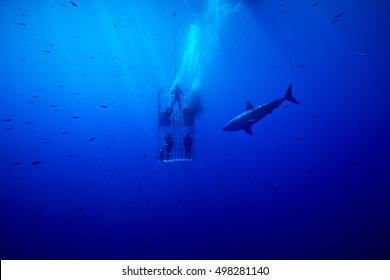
(79, 177)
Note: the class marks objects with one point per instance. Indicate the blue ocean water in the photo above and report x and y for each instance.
(79, 178)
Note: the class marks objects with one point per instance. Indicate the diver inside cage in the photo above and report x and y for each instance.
(187, 141)
(168, 146)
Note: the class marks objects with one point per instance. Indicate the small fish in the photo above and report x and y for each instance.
(28, 122)
(53, 105)
(293, 214)
(75, 117)
(302, 65)
(298, 139)
(274, 188)
(314, 117)
(145, 33)
(68, 220)
(353, 162)
(311, 171)
(103, 106)
(315, 4)
(283, 3)
(140, 189)
(91, 139)
(115, 25)
(46, 51)
(174, 14)
(64, 132)
(322, 221)
(16, 163)
(22, 23)
(7, 120)
(74, 4)
(336, 20)
(362, 54)
(62, 5)
(36, 162)
(339, 15)
(80, 210)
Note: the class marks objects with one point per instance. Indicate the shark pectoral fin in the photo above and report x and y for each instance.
(248, 130)
(249, 106)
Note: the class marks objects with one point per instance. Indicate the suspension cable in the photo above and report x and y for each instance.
(174, 39)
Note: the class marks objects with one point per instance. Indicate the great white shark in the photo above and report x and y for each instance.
(253, 114)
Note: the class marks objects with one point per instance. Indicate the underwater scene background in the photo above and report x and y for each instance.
(81, 82)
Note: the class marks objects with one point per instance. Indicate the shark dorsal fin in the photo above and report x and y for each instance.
(249, 106)
(248, 130)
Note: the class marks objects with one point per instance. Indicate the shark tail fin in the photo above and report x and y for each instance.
(288, 96)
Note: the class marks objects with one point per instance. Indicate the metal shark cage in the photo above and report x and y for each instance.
(175, 124)
(176, 132)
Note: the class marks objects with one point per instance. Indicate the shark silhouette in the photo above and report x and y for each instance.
(253, 114)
